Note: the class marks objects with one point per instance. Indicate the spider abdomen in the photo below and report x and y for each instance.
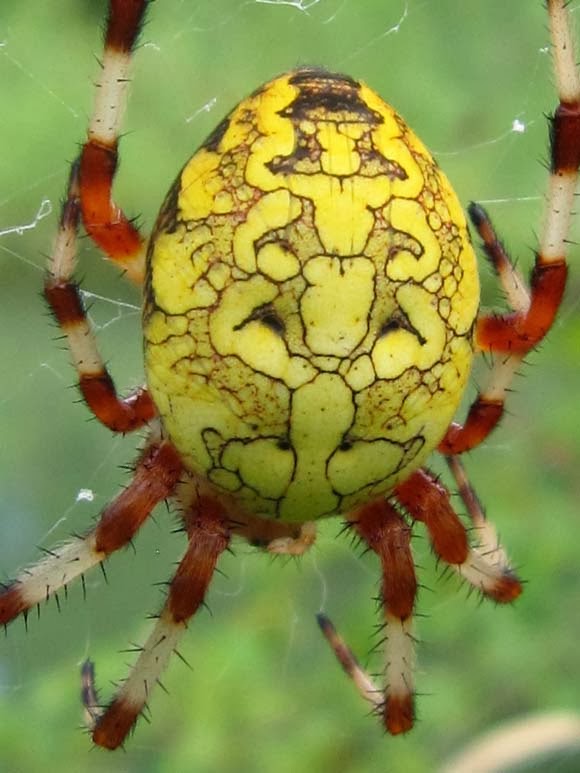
(311, 295)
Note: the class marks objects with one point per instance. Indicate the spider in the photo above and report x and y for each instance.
(310, 315)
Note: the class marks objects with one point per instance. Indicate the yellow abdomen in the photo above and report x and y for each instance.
(311, 294)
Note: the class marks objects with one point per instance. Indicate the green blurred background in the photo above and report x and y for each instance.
(264, 693)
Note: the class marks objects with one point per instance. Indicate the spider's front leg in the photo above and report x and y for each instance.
(509, 336)
(64, 297)
(534, 305)
(89, 198)
(104, 221)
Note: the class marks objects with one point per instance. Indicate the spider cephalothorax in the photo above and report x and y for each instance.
(310, 317)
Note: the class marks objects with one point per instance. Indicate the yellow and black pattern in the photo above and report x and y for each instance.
(311, 295)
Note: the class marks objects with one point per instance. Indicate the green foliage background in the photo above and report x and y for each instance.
(264, 693)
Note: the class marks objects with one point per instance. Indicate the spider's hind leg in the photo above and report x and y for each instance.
(208, 530)
(386, 532)
(487, 570)
(489, 550)
(154, 479)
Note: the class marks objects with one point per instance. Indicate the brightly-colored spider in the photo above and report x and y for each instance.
(310, 317)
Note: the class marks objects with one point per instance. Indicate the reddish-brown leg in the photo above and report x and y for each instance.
(208, 532)
(384, 530)
(427, 500)
(65, 300)
(154, 479)
(511, 336)
(105, 223)
(485, 535)
(89, 196)
(386, 533)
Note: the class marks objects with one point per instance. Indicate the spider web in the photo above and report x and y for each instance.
(474, 80)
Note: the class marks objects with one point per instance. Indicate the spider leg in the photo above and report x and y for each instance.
(155, 478)
(512, 335)
(389, 536)
(347, 659)
(89, 195)
(207, 526)
(487, 570)
(104, 222)
(385, 531)
(488, 544)
(65, 300)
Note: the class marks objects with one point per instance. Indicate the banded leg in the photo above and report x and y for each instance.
(208, 532)
(511, 336)
(155, 478)
(65, 300)
(485, 567)
(104, 222)
(488, 544)
(89, 194)
(487, 570)
(386, 533)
